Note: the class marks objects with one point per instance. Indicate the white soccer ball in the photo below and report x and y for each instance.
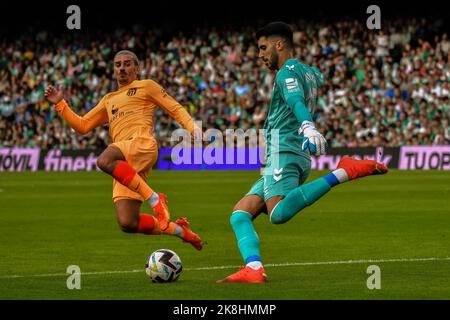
(163, 265)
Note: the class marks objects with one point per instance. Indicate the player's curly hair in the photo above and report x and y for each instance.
(277, 28)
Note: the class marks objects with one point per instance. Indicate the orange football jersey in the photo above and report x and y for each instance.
(130, 111)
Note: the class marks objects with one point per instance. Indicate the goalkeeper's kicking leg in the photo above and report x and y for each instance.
(282, 208)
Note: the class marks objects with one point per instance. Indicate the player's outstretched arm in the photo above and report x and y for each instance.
(174, 109)
(94, 118)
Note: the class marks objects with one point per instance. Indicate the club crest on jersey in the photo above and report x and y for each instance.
(131, 92)
(290, 68)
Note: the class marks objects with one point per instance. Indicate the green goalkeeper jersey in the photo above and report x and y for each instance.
(293, 101)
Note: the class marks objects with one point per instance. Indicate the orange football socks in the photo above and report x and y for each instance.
(127, 176)
(148, 224)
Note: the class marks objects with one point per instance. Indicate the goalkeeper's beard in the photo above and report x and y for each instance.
(273, 60)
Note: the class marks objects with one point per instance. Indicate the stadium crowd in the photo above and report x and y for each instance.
(388, 87)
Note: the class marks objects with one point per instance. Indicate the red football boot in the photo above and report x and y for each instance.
(162, 212)
(189, 236)
(246, 274)
(361, 168)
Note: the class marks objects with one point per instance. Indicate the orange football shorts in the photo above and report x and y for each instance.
(141, 153)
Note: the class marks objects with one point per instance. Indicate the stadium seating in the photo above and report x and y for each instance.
(386, 88)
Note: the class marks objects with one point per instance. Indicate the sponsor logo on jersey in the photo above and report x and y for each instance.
(116, 114)
(292, 85)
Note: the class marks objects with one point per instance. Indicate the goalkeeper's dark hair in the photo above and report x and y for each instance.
(278, 28)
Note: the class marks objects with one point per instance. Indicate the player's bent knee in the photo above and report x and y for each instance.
(129, 226)
(252, 204)
(276, 216)
(276, 219)
(103, 163)
(240, 206)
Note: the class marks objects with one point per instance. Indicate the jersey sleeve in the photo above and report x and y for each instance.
(293, 94)
(175, 110)
(94, 118)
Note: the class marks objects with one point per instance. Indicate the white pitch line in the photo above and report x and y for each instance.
(319, 263)
(66, 274)
(269, 265)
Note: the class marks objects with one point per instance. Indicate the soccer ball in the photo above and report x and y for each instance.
(163, 265)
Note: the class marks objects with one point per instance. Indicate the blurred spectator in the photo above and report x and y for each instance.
(389, 88)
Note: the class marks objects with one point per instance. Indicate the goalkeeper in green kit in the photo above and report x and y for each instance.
(290, 136)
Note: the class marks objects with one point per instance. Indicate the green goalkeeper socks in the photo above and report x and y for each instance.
(247, 238)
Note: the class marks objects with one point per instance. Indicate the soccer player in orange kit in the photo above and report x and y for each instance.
(130, 114)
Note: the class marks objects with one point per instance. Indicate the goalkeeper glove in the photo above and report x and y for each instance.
(312, 139)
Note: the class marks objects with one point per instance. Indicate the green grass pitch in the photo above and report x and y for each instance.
(400, 222)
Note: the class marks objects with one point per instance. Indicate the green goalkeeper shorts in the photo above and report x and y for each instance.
(284, 171)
